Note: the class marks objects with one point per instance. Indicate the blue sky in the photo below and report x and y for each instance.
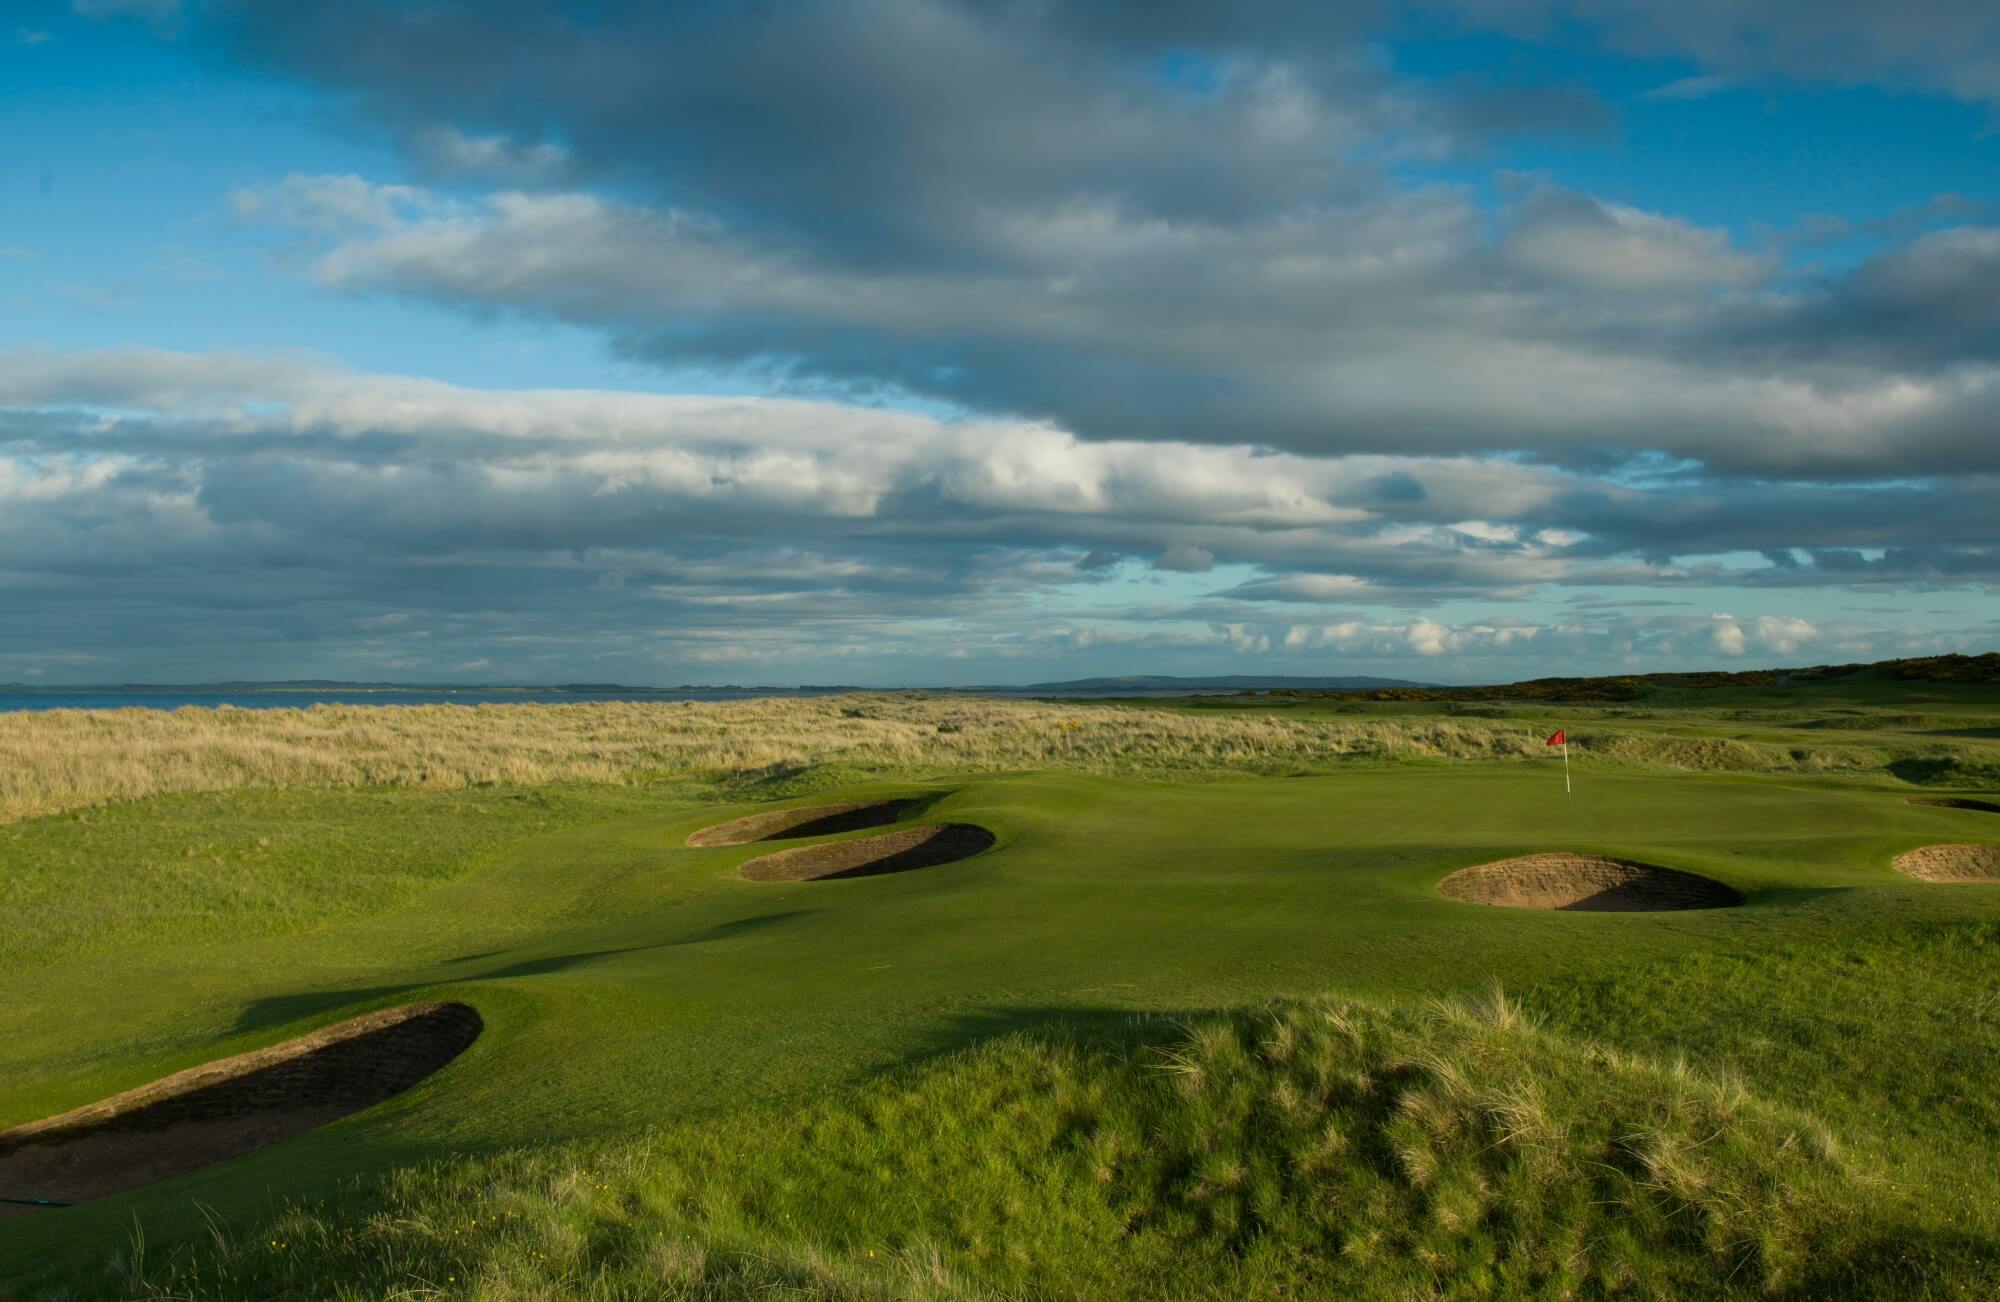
(926, 341)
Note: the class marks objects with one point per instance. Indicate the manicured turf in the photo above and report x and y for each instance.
(628, 982)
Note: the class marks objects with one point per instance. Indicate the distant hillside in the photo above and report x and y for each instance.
(1163, 685)
(1980, 669)
(244, 687)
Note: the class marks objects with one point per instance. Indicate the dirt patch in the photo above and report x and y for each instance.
(1955, 802)
(913, 847)
(1951, 863)
(1585, 882)
(230, 1107)
(792, 824)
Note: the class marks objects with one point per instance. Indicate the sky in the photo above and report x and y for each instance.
(933, 342)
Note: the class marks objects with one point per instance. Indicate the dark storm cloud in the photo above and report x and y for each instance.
(875, 131)
(1932, 45)
(1586, 334)
(1139, 221)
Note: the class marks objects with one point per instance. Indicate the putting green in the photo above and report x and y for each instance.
(628, 980)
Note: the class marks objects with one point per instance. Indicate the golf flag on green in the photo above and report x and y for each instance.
(1562, 739)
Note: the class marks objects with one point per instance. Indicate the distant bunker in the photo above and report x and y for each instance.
(1956, 802)
(1951, 863)
(225, 1109)
(795, 824)
(896, 852)
(1586, 883)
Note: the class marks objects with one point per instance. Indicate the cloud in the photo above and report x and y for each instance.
(1585, 333)
(335, 204)
(1572, 239)
(1697, 87)
(1185, 558)
(1496, 649)
(364, 518)
(1171, 269)
(448, 152)
(1179, 223)
(1934, 45)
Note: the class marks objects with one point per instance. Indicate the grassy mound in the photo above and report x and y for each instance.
(1327, 1147)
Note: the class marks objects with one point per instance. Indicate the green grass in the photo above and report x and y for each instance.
(1323, 1146)
(197, 868)
(771, 1081)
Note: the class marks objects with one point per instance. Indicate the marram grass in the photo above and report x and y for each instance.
(57, 760)
(1326, 1147)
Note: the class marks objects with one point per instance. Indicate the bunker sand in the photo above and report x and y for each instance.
(794, 824)
(230, 1107)
(901, 851)
(1585, 883)
(1951, 863)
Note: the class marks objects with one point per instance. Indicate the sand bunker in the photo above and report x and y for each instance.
(1585, 882)
(1952, 863)
(1955, 802)
(227, 1108)
(793, 824)
(912, 847)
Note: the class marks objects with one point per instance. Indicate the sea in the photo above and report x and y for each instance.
(299, 698)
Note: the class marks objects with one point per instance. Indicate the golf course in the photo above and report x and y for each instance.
(916, 995)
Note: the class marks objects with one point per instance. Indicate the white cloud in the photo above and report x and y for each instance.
(447, 150)
(1781, 634)
(336, 204)
(1572, 239)
(1428, 637)
(411, 513)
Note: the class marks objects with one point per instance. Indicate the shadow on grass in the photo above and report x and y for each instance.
(1790, 896)
(1954, 802)
(278, 1010)
(1937, 771)
(1111, 1030)
(1908, 1262)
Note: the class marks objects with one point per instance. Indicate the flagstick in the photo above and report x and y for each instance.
(1566, 766)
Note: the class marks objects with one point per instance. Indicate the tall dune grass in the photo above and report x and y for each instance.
(67, 759)
(1320, 1149)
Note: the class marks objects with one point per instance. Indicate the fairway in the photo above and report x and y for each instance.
(631, 981)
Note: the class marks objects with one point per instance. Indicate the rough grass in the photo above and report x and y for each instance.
(1327, 1147)
(67, 759)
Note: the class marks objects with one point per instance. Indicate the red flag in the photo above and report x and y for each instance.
(1556, 740)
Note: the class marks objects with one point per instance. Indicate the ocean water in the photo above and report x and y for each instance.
(174, 698)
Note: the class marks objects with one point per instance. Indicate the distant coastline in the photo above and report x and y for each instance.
(280, 696)
(300, 693)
